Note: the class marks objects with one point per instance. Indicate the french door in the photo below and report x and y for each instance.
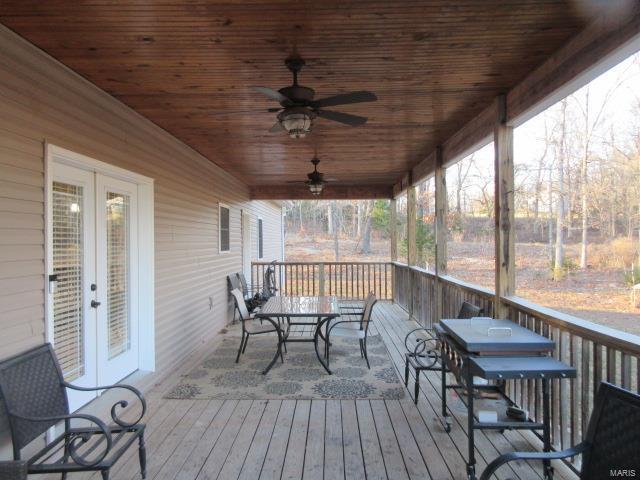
(93, 306)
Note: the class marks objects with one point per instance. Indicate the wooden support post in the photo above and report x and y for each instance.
(504, 210)
(441, 230)
(393, 233)
(412, 252)
(321, 279)
(412, 208)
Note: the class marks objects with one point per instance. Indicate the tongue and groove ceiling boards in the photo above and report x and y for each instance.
(188, 67)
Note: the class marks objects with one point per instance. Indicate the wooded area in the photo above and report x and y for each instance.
(577, 208)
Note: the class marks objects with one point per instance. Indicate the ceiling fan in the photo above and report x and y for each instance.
(299, 109)
(316, 181)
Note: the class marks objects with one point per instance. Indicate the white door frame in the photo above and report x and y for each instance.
(145, 253)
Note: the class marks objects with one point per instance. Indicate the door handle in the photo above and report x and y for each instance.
(94, 304)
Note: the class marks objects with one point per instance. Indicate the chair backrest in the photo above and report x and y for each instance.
(233, 281)
(367, 310)
(241, 307)
(468, 310)
(243, 284)
(31, 386)
(613, 434)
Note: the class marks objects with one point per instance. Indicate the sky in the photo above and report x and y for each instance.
(621, 84)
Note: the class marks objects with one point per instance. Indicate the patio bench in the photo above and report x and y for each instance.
(34, 393)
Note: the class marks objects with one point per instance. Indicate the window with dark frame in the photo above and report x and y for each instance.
(260, 243)
(224, 228)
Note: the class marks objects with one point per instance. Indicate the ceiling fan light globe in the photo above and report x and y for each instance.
(296, 122)
(316, 188)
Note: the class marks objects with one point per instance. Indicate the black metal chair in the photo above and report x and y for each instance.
(250, 326)
(13, 470)
(423, 350)
(35, 398)
(357, 326)
(611, 447)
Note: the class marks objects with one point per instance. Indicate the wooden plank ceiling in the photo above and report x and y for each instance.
(188, 65)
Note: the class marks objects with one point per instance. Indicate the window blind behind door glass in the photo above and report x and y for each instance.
(68, 253)
(118, 273)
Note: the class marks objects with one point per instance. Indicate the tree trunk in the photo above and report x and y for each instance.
(336, 230)
(583, 187)
(560, 213)
(330, 214)
(366, 235)
(550, 216)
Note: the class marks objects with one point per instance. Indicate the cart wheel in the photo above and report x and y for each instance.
(447, 426)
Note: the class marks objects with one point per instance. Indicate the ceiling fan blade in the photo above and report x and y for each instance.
(345, 99)
(277, 127)
(272, 94)
(346, 118)
(240, 112)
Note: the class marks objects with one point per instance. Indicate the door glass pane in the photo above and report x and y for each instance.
(68, 252)
(118, 273)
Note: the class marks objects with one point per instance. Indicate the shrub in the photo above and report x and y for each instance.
(632, 276)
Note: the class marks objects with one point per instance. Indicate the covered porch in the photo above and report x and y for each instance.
(322, 438)
(154, 101)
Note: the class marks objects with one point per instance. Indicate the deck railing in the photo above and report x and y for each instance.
(597, 352)
(352, 280)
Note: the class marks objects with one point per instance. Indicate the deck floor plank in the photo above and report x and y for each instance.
(294, 457)
(351, 443)
(277, 450)
(260, 443)
(319, 438)
(215, 461)
(333, 442)
(374, 460)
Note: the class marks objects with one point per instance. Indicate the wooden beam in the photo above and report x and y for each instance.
(441, 215)
(402, 184)
(441, 229)
(505, 280)
(393, 229)
(602, 44)
(412, 210)
(423, 169)
(330, 192)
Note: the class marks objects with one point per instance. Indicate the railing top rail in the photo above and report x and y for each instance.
(606, 336)
(477, 289)
(322, 263)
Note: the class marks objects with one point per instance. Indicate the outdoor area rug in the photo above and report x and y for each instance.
(300, 376)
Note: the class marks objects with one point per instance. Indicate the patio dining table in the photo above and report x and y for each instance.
(316, 311)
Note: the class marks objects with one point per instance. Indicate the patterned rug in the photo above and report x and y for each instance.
(300, 376)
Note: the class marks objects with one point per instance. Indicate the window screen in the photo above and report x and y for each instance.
(224, 229)
(260, 250)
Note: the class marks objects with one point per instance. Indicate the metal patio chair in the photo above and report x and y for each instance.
(251, 326)
(423, 350)
(13, 470)
(611, 445)
(357, 326)
(35, 398)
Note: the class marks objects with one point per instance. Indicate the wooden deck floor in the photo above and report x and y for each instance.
(318, 439)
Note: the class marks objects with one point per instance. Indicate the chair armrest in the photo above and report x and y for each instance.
(332, 325)
(13, 470)
(509, 457)
(75, 439)
(121, 403)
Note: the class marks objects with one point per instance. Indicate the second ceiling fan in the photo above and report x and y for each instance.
(299, 109)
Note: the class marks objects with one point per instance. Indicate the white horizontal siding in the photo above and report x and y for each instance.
(44, 101)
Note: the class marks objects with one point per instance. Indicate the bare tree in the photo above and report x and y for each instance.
(560, 204)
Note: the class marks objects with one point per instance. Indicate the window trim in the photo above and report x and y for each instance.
(260, 238)
(220, 207)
